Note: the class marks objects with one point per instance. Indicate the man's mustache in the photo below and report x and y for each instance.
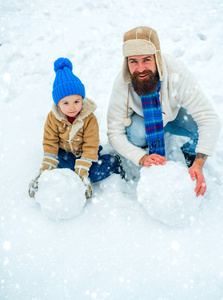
(145, 72)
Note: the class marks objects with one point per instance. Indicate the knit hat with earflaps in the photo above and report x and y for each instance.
(66, 83)
(141, 41)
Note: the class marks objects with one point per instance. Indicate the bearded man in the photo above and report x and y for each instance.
(155, 94)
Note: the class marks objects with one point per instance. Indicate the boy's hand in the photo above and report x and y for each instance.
(82, 167)
(33, 186)
(87, 183)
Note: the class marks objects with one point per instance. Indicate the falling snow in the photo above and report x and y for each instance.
(114, 249)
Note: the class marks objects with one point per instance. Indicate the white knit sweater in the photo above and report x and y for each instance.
(179, 89)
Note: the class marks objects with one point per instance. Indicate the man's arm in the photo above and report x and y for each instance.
(117, 112)
(191, 97)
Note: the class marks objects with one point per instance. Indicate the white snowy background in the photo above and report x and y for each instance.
(113, 249)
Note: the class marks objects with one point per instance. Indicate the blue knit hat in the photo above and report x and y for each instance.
(66, 83)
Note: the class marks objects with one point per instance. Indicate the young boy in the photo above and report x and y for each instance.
(71, 134)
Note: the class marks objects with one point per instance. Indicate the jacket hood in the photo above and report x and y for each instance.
(88, 108)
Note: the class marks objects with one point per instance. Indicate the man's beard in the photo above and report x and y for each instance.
(147, 85)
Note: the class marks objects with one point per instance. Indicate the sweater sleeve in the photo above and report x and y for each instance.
(117, 112)
(199, 107)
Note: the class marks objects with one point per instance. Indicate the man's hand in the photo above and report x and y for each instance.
(152, 159)
(197, 174)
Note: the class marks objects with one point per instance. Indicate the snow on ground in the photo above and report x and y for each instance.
(113, 249)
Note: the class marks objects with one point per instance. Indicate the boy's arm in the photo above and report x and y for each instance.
(90, 147)
(50, 146)
(90, 139)
(90, 151)
(50, 143)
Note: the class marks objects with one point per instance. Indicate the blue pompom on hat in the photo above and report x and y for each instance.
(66, 83)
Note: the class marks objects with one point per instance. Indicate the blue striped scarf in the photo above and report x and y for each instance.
(153, 119)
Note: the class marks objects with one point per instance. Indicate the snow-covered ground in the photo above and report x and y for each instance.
(113, 249)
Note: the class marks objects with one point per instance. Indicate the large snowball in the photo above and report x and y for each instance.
(61, 194)
(167, 193)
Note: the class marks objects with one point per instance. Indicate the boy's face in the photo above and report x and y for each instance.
(71, 105)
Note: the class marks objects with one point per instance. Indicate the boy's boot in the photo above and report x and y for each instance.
(121, 170)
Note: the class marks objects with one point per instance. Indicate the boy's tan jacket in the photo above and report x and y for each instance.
(80, 138)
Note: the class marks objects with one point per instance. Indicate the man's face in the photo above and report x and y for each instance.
(140, 63)
(144, 73)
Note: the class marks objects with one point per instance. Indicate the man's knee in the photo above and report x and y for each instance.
(139, 140)
(136, 133)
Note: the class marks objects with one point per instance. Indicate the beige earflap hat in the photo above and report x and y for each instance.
(141, 41)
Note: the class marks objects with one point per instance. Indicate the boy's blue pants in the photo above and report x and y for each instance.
(104, 167)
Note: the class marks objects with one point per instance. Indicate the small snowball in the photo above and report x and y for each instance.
(61, 194)
(167, 193)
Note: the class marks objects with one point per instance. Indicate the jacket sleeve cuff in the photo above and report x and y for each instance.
(49, 163)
